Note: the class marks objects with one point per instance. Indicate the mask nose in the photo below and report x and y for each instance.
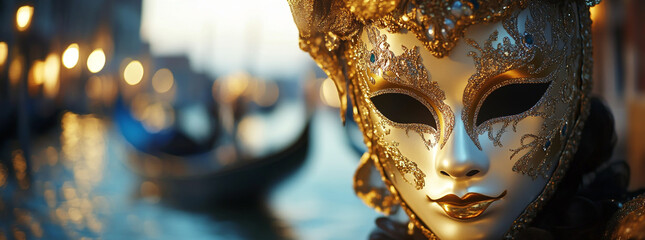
(460, 158)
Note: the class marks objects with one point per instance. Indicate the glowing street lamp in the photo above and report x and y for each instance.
(70, 56)
(163, 80)
(96, 60)
(133, 73)
(23, 17)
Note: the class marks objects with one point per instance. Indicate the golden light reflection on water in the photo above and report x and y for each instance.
(155, 115)
(20, 168)
(83, 150)
(158, 116)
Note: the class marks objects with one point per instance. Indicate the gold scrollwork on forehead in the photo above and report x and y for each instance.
(440, 24)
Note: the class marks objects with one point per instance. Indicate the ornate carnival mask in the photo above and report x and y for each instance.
(471, 110)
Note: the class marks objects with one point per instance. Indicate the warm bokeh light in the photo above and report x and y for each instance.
(154, 115)
(20, 168)
(158, 116)
(93, 87)
(250, 132)
(595, 12)
(96, 60)
(237, 83)
(101, 89)
(163, 80)
(230, 87)
(23, 17)
(37, 73)
(4, 51)
(266, 93)
(133, 72)
(328, 93)
(51, 75)
(70, 56)
(15, 71)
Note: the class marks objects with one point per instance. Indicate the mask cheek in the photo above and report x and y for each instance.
(527, 148)
(402, 153)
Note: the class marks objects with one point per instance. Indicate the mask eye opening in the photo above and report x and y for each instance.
(404, 109)
(510, 99)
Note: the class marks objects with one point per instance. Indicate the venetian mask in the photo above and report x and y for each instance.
(471, 110)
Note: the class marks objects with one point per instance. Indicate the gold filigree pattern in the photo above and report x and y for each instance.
(534, 56)
(572, 142)
(629, 221)
(370, 9)
(390, 152)
(440, 24)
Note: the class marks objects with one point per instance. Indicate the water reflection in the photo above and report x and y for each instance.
(103, 137)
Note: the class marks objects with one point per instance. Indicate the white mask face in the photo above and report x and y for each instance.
(470, 140)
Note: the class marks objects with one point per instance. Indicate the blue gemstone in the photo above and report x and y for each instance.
(372, 58)
(449, 24)
(528, 38)
(564, 129)
(547, 144)
(456, 5)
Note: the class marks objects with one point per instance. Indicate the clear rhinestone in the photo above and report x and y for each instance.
(430, 32)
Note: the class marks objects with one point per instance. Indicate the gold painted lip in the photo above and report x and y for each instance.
(469, 206)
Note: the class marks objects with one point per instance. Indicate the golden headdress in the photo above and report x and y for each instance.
(324, 24)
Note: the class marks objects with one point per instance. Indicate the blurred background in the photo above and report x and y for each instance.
(198, 119)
